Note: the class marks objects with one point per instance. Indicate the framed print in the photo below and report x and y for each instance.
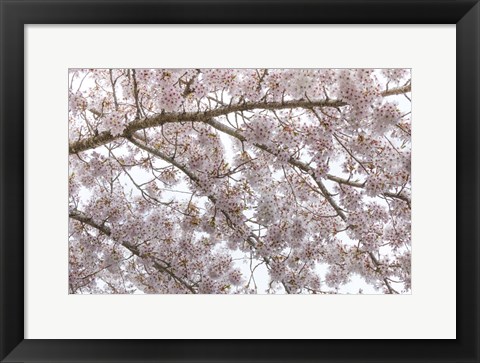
(190, 209)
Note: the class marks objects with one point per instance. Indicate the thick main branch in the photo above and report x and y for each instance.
(161, 119)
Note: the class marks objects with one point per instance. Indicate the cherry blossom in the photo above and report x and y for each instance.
(239, 181)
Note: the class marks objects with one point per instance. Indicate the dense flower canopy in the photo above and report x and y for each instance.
(217, 181)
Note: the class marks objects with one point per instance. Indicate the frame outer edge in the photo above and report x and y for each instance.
(11, 178)
(468, 182)
(11, 327)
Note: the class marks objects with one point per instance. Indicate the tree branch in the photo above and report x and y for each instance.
(138, 124)
(397, 91)
(302, 166)
(390, 289)
(83, 218)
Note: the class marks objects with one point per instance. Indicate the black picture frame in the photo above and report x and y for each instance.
(16, 13)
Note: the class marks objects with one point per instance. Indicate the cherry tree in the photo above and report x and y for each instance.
(208, 181)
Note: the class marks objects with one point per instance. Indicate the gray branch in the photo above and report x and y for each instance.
(83, 218)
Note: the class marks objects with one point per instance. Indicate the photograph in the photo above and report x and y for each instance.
(239, 181)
